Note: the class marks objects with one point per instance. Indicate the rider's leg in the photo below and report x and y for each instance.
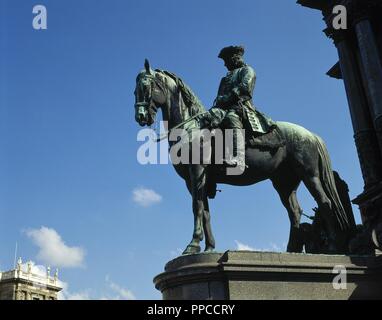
(236, 156)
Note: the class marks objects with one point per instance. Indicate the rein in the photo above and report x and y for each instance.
(155, 80)
(159, 83)
(166, 134)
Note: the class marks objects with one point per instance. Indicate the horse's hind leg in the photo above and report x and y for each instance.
(315, 188)
(286, 189)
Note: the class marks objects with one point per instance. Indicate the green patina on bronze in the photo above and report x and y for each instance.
(285, 153)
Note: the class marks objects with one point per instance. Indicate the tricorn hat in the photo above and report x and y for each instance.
(230, 51)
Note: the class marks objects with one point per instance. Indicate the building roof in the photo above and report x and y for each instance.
(19, 275)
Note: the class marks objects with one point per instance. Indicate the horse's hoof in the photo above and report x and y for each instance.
(209, 250)
(191, 249)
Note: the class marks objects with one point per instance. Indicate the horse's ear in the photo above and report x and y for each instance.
(147, 66)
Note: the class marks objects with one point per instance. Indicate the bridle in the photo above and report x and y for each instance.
(147, 104)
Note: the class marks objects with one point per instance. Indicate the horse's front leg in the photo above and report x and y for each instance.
(210, 240)
(197, 185)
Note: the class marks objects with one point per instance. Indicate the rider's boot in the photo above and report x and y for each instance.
(236, 158)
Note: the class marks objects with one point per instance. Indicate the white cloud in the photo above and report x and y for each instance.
(243, 247)
(272, 247)
(65, 294)
(146, 197)
(53, 250)
(113, 292)
(79, 296)
(277, 248)
(121, 293)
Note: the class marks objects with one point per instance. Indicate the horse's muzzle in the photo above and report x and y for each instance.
(141, 118)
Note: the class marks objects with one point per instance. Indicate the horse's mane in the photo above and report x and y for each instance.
(190, 99)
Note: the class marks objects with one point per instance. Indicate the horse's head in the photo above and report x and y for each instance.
(148, 95)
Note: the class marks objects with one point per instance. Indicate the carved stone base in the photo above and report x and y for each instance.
(370, 205)
(248, 275)
(377, 236)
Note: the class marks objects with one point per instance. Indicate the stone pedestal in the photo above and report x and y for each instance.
(245, 275)
(370, 204)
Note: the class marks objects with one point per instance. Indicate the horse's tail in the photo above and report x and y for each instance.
(329, 185)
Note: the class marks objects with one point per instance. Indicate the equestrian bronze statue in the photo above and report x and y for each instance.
(283, 152)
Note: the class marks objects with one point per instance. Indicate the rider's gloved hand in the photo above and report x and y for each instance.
(212, 119)
(218, 115)
(206, 120)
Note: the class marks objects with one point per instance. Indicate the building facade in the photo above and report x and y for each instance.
(22, 284)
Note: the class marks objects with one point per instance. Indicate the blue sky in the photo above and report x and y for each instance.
(68, 166)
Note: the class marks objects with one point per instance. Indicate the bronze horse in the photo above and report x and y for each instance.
(304, 157)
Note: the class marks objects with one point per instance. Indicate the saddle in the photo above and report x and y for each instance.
(261, 131)
(268, 141)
